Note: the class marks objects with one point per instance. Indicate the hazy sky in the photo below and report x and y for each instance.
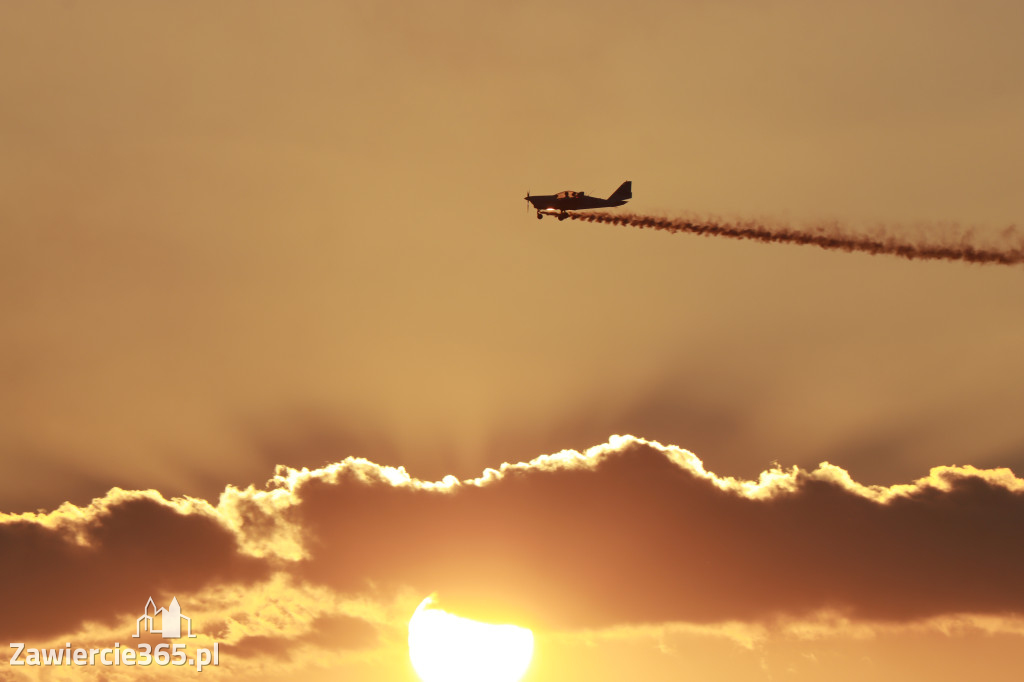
(235, 235)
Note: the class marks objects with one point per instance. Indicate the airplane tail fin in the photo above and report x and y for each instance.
(625, 191)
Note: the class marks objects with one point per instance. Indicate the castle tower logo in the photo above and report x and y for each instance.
(169, 620)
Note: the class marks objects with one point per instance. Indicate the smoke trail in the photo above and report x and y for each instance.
(824, 236)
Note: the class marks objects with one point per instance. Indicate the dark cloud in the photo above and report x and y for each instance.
(631, 532)
(137, 547)
(641, 538)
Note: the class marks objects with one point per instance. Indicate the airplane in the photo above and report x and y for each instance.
(560, 204)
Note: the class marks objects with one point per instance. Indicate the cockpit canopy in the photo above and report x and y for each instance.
(569, 194)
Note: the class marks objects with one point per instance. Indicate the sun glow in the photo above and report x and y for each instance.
(444, 647)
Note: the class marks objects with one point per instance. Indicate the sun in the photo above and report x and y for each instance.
(444, 647)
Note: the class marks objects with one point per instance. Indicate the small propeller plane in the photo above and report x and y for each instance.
(560, 204)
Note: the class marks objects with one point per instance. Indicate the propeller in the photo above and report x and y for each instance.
(527, 197)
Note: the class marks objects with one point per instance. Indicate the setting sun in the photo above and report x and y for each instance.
(444, 647)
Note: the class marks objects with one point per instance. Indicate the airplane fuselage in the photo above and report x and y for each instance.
(560, 204)
(573, 204)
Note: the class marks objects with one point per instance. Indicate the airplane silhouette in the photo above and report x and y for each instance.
(560, 204)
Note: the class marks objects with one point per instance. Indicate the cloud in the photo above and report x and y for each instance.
(628, 533)
(636, 532)
(92, 563)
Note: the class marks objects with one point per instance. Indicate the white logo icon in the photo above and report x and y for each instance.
(170, 620)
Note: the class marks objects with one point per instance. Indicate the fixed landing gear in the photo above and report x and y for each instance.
(563, 216)
(539, 215)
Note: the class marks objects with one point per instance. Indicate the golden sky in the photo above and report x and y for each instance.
(240, 235)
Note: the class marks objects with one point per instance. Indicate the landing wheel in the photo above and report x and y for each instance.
(563, 216)
(539, 216)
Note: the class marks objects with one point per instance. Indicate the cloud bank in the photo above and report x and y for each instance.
(631, 532)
